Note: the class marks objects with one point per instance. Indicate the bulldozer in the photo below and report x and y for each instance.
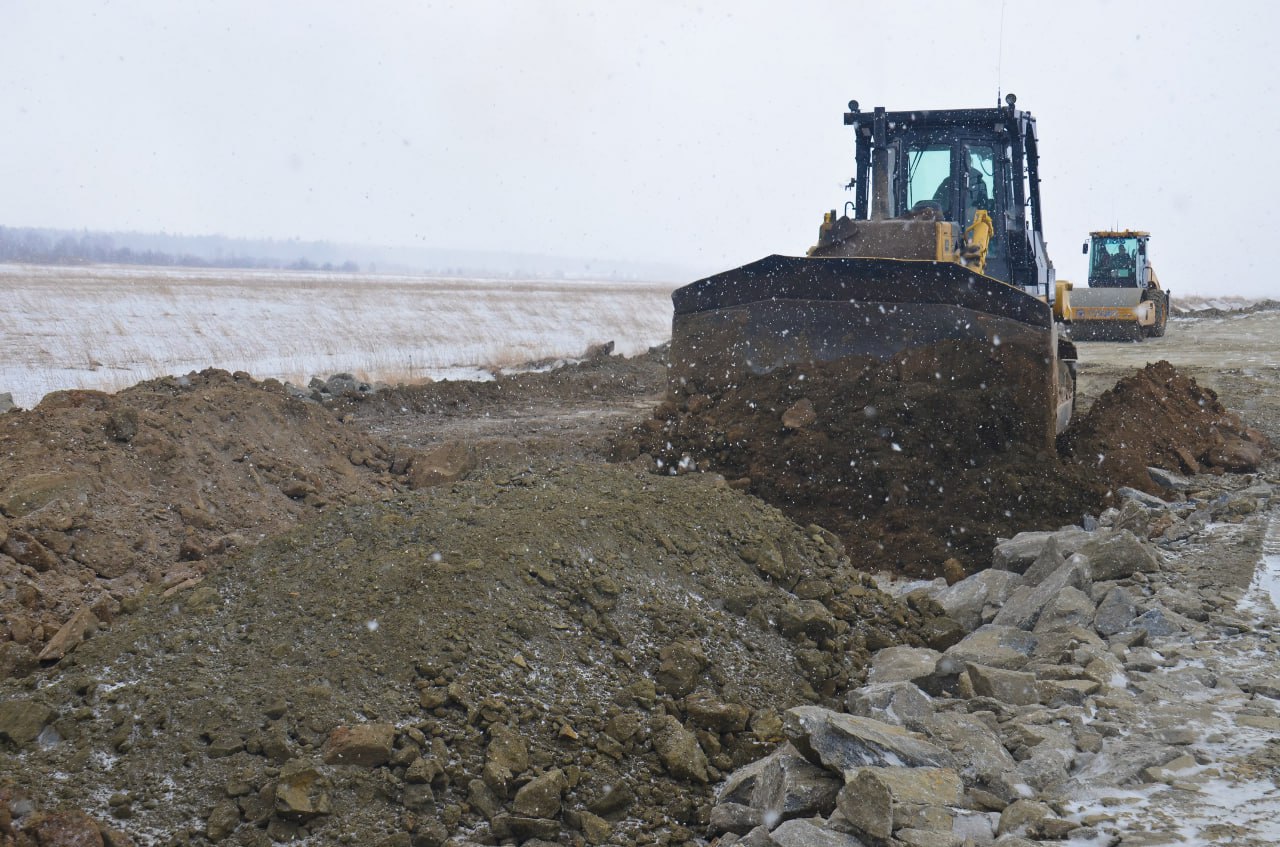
(1124, 300)
(931, 291)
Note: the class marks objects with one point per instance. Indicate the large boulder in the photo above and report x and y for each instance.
(1013, 687)
(1018, 553)
(1025, 604)
(969, 600)
(845, 742)
(992, 645)
(1116, 612)
(898, 703)
(902, 664)
(1119, 555)
(791, 786)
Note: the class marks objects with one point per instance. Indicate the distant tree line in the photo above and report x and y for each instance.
(61, 247)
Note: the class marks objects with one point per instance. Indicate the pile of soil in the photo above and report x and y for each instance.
(553, 648)
(104, 496)
(624, 636)
(1162, 418)
(921, 481)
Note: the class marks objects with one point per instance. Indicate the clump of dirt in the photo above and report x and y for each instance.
(584, 647)
(914, 460)
(911, 476)
(1159, 417)
(105, 495)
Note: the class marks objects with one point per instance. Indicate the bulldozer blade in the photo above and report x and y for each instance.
(939, 326)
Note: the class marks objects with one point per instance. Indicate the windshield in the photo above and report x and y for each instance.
(929, 179)
(928, 168)
(1114, 259)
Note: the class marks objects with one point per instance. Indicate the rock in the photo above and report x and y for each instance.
(1013, 687)
(866, 803)
(705, 711)
(902, 664)
(908, 837)
(1023, 608)
(446, 463)
(507, 755)
(1071, 607)
(22, 720)
(806, 617)
(739, 786)
(16, 660)
(6, 402)
(1168, 479)
(800, 415)
(595, 829)
(897, 703)
(222, 821)
(678, 749)
(922, 786)
(365, 745)
(735, 818)
(1119, 555)
(1115, 613)
(540, 797)
(1049, 560)
(30, 493)
(69, 636)
(803, 833)
(967, 600)
(980, 755)
(302, 792)
(992, 645)
(681, 664)
(61, 829)
(791, 786)
(1066, 692)
(26, 550)
(1016, 554)
(504, 826)
(1141, 497)
(1019, 816)
(1156, 623)
(845, 742)
(1236, 455)
(615, 799)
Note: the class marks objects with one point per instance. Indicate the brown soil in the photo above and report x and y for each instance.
(637, 631)
(911, 476)
(1160, 417)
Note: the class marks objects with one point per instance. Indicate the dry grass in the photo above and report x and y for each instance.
(107, 328)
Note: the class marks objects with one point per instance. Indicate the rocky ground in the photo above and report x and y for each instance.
(437, 615)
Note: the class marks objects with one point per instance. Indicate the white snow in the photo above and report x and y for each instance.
(108, 327)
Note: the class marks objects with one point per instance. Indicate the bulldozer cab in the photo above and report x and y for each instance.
(950, 164)
(1118, 260)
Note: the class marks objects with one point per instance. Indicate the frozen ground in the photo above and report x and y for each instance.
(107, 327)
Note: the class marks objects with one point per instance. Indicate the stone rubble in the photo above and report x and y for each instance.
(1105, 695)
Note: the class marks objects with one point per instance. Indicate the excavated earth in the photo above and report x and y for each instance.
(437, 614)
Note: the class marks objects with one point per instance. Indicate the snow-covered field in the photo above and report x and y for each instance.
(107, 327)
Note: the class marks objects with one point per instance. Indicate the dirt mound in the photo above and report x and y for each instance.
(1159, 417)
(910, 476)
(105, 495)
(590, 635)
(907, 475)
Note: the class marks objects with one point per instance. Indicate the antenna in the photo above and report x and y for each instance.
(1000, 55)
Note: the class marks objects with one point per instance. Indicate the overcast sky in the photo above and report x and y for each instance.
(702, 134)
